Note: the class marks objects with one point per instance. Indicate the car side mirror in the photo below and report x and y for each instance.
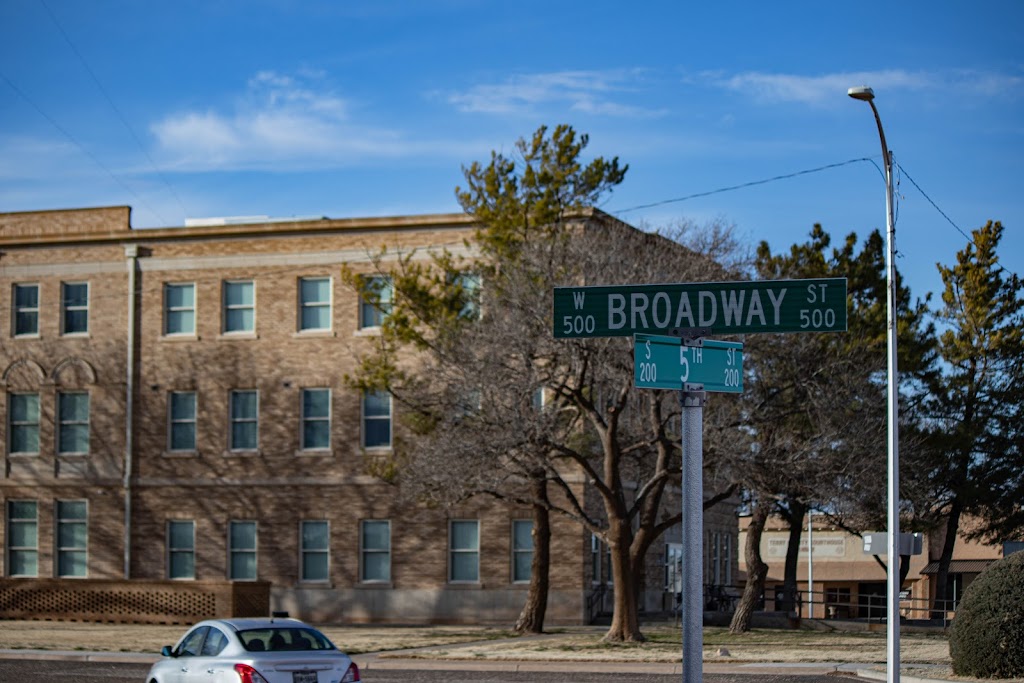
(167, 651)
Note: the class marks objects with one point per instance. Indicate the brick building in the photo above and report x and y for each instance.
(176, 409)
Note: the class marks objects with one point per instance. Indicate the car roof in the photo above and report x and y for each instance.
(257, 623)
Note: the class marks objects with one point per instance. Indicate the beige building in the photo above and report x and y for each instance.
(849, 583)
(176, 409)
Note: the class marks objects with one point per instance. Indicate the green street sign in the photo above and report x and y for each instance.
(661, 362)
(744, 307)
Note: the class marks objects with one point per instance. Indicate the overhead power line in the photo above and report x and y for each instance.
(743, 185)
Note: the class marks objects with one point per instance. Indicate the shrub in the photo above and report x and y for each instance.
(987, 639)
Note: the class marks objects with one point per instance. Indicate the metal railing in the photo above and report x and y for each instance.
(832, 605)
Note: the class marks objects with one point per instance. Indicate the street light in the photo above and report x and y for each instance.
(866, 94)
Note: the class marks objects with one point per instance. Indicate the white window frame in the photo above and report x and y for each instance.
(372, 315)
(518, 552)
(232, 421)
(453, 551)
(65, 308)
(235, 551)
(226, 308)
(62, 521)
(29, 550)
(305, 305)
(305, 420)
(365, 552)
(13, 425)
(63, 421)
(17, 310)
(184, 551)
(365, 419)
(169, 309)
(305, 552)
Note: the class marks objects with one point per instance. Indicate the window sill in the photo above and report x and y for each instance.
(315, 453)
(74, 335)
(180, 454)
(237, 336)
(73, 455)
(314, 334)
(316, 585)
(367, 332)
(27, 337)
(23, 455)
(243, 454)
(178, 338)
(375, 585)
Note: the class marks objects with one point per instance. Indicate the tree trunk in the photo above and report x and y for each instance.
(757, 570)
(939, 606)
(625, 625)
(531, 619)
(797, 512)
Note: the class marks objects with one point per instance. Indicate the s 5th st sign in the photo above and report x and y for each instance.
(743, 307)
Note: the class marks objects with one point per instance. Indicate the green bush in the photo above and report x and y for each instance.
(987, 639)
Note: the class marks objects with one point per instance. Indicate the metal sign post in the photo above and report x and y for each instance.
(692, 618)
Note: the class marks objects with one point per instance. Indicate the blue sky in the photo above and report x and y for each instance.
(369, 108)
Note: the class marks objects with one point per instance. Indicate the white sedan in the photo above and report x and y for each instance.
(253, 651)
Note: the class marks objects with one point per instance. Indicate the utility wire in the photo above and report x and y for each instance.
(75, 142)
(110, 101)
(743, 185)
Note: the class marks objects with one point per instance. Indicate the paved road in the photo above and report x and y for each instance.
(37, 671)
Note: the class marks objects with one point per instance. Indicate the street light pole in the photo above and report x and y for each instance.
(866, 94)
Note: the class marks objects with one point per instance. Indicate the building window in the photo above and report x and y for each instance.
(244, 420)
(180, 309)
(316, 419)
(26, 310)
(600, 560)
(522, 550)
(375, 551)
(242, 551)
(315, 303)
(464, 551)
(375, 300)
(376, 419)
(73, 423)
(716, 559)
(23, 421)
(315, 551)
(469, 289)
(74, 303)
(181, 408)
(22, 538)
(727, 558)
(239, 306)
(181, 549)
(72, 538)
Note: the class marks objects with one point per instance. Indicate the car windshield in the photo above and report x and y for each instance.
(285, 638)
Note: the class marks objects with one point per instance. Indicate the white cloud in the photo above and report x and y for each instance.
(592, 92)
(281, 123)
(823, 89)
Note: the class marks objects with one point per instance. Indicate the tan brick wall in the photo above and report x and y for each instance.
(278, 486)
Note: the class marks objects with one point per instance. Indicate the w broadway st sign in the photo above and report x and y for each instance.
(743, 307)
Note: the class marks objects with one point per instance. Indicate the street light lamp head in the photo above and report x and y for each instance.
(862, 92)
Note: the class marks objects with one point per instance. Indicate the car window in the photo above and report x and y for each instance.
(192, 643)
(279, 639)
(215, 642)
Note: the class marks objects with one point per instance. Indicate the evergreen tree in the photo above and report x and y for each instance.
(976, 403)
